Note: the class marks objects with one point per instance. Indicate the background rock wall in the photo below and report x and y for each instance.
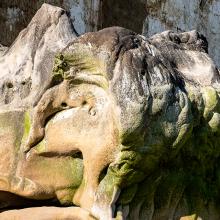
(179, 15)
(16, 14)
(149, 16)
(124, 13)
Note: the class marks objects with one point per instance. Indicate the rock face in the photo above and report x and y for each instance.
(15, 15)
(201, 15)
(26, 65)
(153, 16)
(119, 125)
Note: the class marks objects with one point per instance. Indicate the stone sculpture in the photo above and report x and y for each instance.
(121, 126)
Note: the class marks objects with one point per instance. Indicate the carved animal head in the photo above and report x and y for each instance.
(130, 115)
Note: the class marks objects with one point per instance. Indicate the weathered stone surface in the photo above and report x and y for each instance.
(26, 65)
(156, 15)
(122, 126)
(85, 15)
(47, 213)
(16, 14)
(178, 15)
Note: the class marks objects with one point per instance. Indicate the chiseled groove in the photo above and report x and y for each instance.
(73, 153)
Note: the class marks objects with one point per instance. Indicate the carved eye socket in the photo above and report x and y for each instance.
(63, 104)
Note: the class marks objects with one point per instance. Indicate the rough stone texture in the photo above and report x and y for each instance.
(119, 125)
(87, 15)
(16, 14)
(26, 65)
(178, 15)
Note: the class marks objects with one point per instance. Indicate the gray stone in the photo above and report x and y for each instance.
(178, 15)
(26, 65)
(119, 125)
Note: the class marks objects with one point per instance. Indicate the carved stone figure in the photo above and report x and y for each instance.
(121, 126)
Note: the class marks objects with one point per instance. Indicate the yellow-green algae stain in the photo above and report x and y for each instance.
(67, 66)
(27, 125)
(58, 169)
(211, 100)
(41, 146)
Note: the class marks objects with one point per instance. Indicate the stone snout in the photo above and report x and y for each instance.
(77, 119)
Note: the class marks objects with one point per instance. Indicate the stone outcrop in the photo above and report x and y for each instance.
(26, 65)
(16, 14)
(119, 125)
(201, 15)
